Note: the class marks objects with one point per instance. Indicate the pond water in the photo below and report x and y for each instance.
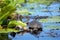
(44, 35)
(38, 9)
(47, 33)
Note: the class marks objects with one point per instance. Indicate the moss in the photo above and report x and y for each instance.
(8, 30)
(4, 36)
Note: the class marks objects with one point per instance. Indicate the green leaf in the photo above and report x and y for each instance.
(17, 23)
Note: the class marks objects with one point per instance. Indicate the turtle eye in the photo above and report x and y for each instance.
(39, 29)
(31, 28)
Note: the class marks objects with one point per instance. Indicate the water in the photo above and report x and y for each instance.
(43, 36)
(38, 9)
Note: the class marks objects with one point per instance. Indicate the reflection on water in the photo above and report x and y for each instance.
(39, 8)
